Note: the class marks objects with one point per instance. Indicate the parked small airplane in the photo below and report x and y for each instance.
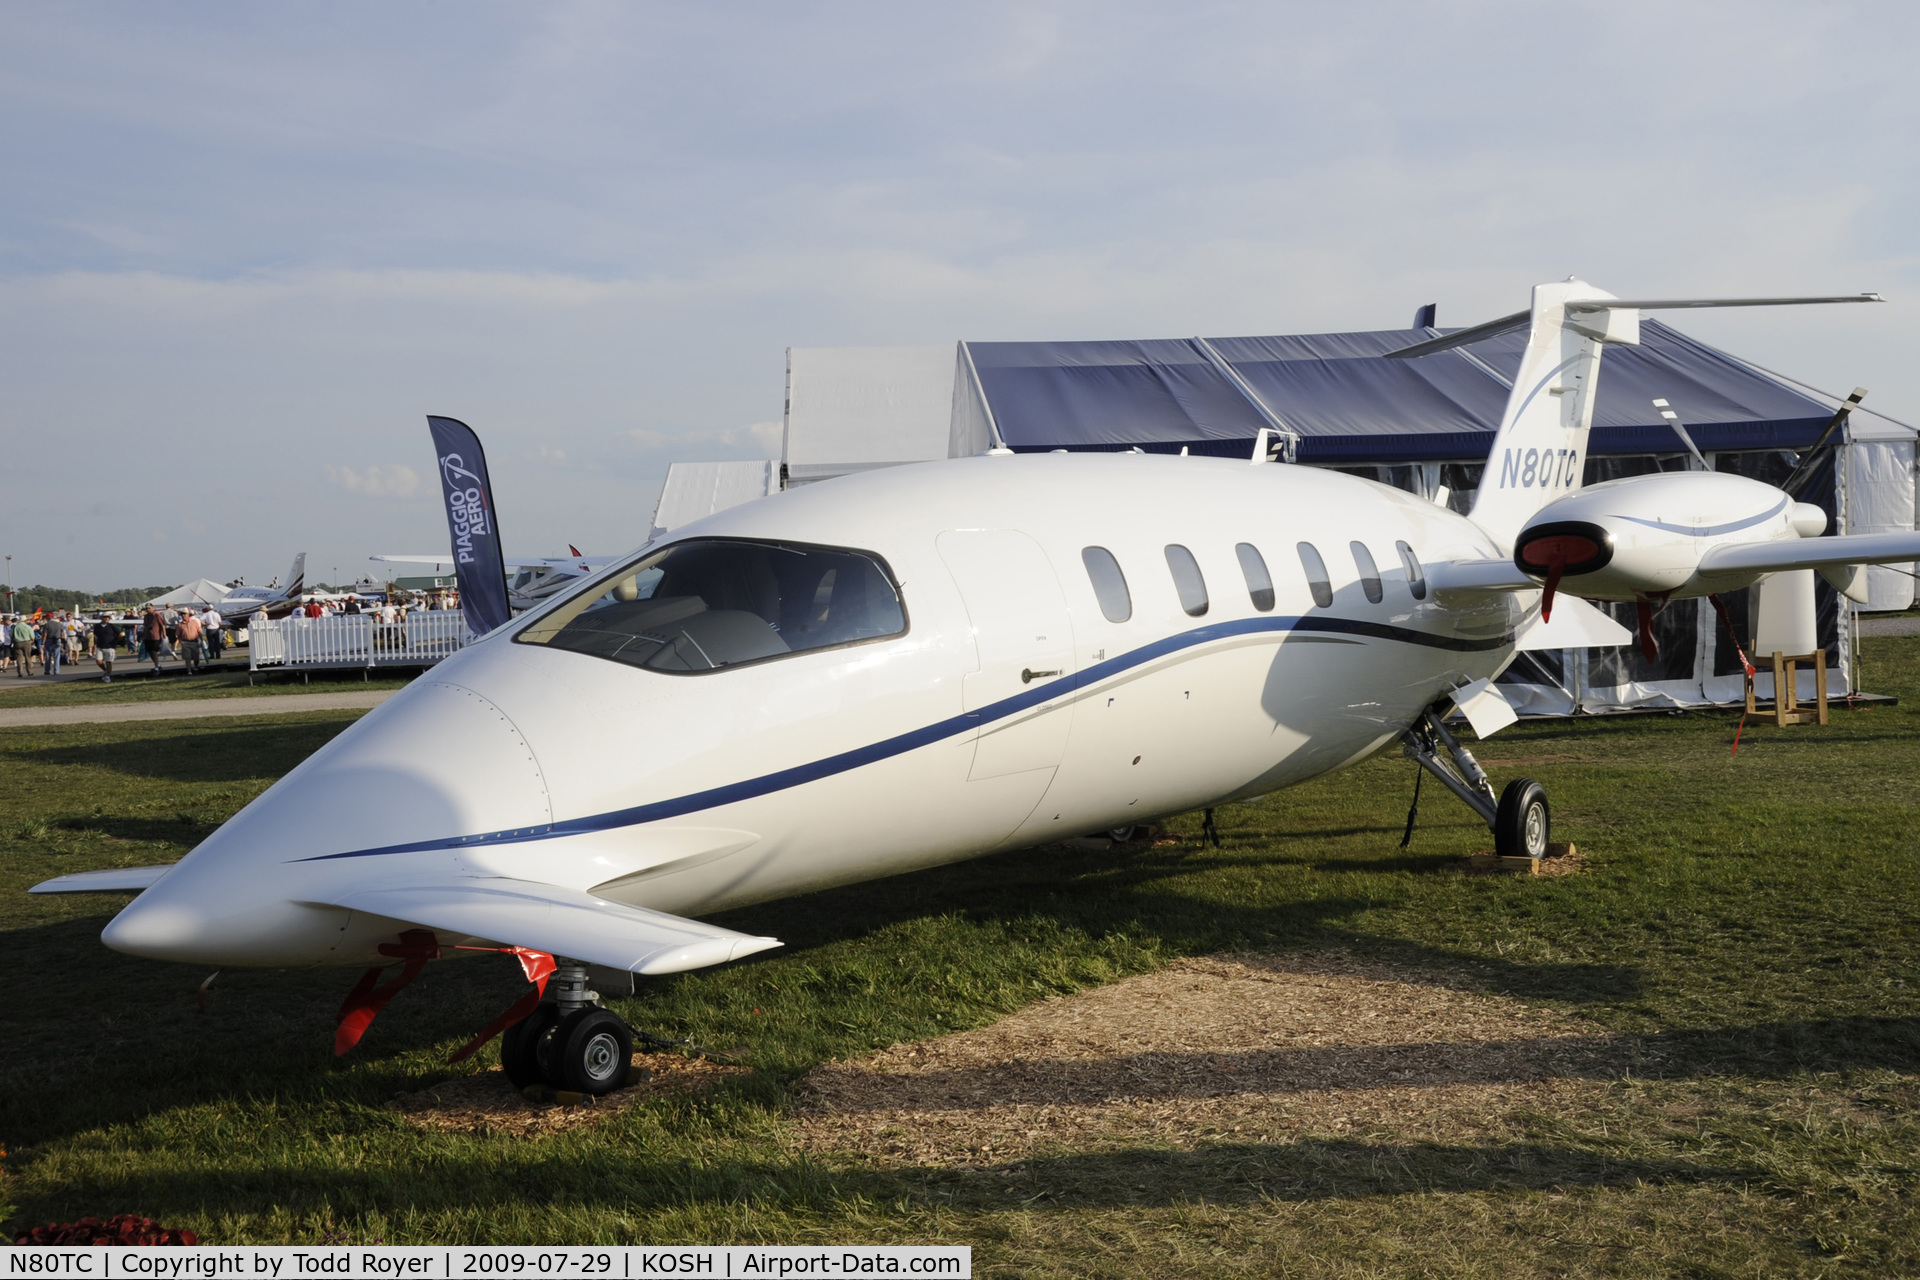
(242, 602)
(928, 663)
(535, 578)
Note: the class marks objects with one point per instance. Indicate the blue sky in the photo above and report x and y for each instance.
(245, 249)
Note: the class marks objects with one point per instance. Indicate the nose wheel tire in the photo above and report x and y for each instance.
(1524, 822)
(592, 1050)
(521, 1045)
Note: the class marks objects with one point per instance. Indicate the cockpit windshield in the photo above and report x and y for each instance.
(705, 604)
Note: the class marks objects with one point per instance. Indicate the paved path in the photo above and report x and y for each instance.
(1890, 626)
(263, 705)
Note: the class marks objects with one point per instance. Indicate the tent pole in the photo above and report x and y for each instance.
(1247, 393)
(986, 406)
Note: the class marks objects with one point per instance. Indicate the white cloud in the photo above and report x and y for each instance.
(393, 480)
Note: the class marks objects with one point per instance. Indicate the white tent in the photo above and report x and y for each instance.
(199, 593)
(1880, 498)
(856, 408)
(697, 489)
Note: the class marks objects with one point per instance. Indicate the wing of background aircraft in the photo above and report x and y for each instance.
(512, 562)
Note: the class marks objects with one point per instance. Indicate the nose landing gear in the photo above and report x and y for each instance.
(568, 1042)
(1521, 819)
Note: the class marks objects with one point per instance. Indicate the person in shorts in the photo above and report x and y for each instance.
(153, 636)
(189, 631)
(106, 637)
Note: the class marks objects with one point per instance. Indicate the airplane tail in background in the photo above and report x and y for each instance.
(1540, 450)
(296, 577)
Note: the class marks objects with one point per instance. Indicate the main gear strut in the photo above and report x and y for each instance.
(1520, 819)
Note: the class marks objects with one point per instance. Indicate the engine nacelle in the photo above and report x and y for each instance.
(1644, 537)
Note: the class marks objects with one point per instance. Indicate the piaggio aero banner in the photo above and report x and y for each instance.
(470, 522)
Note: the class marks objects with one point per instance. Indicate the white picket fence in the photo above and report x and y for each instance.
(356, 640)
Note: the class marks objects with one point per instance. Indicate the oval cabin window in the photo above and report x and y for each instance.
(1416, 576)
(1109, 584)
(1317, 580)
(1187, 580)
(1369, 572)
(1259, 581)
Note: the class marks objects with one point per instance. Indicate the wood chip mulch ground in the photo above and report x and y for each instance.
(485, 1104)
(1571, 863)
(1214, 1049)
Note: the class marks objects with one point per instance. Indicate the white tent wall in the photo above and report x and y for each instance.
(973, 431)
(855, 408)
(694, 490)
(1880, 499)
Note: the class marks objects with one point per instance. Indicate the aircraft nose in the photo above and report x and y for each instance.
(395, 794)
(190, 915)
(157, 928)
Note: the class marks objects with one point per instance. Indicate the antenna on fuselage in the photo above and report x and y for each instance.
(1680, 429)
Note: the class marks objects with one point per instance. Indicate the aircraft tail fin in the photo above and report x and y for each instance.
(296, 577)
(1540, 450)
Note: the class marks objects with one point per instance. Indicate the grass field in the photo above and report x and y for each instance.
(1746, 928)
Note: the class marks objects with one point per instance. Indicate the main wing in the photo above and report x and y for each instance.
(560, 921)
(1783, 554)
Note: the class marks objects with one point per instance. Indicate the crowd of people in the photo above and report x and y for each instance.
(58, 637)
(194, 637)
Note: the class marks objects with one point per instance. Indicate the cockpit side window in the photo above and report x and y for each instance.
(707, 604)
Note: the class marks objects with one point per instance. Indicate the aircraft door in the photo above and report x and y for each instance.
(1023, 639)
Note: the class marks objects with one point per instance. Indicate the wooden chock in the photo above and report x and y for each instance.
(1786, 693)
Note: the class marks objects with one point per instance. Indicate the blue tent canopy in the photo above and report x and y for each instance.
(1351, 405)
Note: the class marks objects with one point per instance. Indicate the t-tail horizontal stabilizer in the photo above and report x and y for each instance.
(562, 922)
(1540, 450)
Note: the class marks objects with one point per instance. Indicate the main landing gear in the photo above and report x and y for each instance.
(568, 1042)
(1520, 819)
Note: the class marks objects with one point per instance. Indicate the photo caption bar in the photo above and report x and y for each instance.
(466, 1262)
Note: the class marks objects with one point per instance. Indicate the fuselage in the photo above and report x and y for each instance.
(1013, 703)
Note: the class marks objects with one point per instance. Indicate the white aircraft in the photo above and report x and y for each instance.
(242, 602)
(535, 579)
(929, 663)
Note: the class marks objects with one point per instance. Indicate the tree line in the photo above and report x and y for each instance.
(27, 599)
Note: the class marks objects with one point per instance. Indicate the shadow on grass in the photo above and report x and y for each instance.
(177, 754)
(1323, 1169)
(1141, 895)
(507, 1178)
(181, 830)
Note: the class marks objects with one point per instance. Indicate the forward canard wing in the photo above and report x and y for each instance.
(562, 922)
(112, 880)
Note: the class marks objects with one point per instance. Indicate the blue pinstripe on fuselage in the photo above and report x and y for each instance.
(828, 766)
